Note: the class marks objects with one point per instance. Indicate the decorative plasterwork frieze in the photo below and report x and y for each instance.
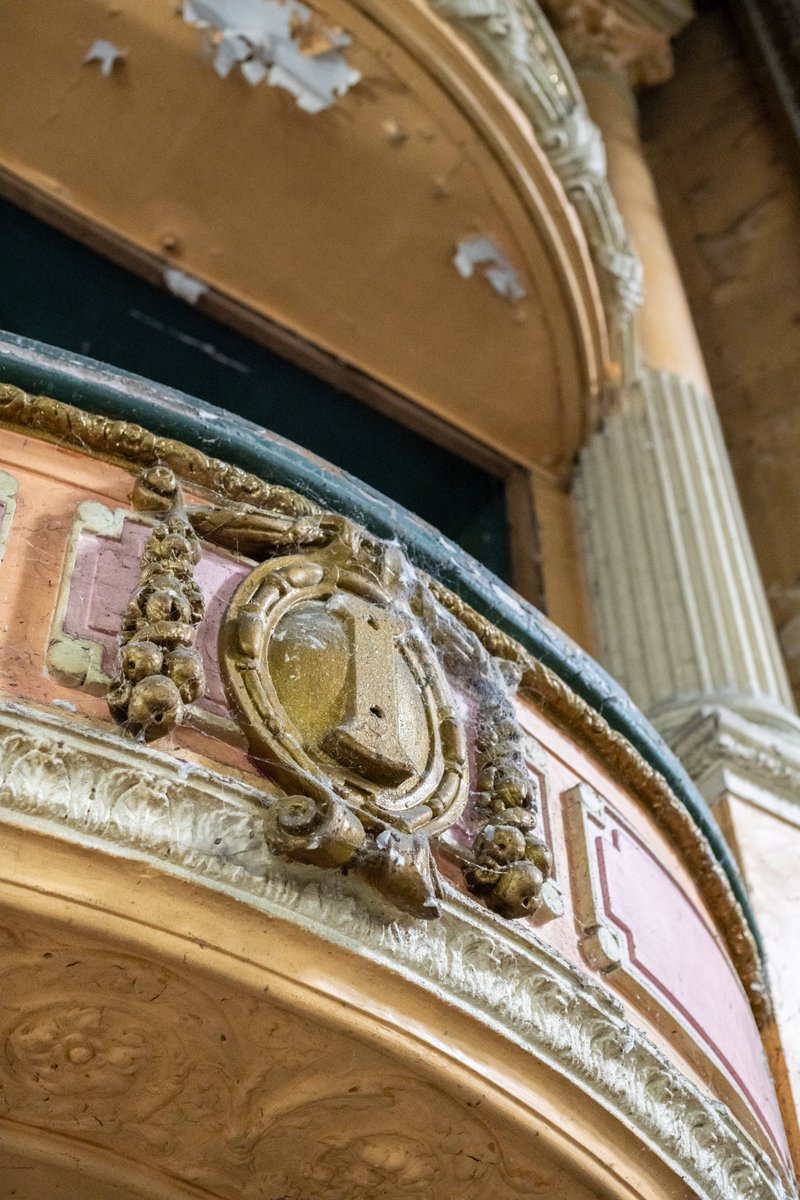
(592, 730)
(517, 40)
(338, 666)
(126, 443)
(132, 447)
(81, 782)
(130, 1072)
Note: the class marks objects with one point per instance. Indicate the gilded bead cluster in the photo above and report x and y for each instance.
(510, 862)
(160, 670)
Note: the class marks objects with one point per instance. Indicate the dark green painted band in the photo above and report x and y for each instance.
(75, 380)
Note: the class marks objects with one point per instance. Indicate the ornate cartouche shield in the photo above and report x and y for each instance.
(341, 695)
(329, 664)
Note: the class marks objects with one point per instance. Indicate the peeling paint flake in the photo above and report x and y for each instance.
(183, 285)
(106, 53)
(230, 52)
(484, 253)
(254, 71)
(280, 41)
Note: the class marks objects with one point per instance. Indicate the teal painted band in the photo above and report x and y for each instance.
(97, 388)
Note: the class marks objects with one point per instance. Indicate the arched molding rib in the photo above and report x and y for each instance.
(434, 140)
(510, 89)
(515, 37)
(194, 837)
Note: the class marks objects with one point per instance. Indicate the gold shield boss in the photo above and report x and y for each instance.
(341, 694)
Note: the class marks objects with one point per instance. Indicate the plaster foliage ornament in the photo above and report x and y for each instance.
(227, 1105)
(160, 671)
(511, 862)
(576, 149)
(126, 443)
(341, 690)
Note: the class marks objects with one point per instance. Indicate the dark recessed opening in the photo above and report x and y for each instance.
(72, 297)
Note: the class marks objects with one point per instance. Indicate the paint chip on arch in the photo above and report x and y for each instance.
(282, 42)
(495, 267)
(104, 52)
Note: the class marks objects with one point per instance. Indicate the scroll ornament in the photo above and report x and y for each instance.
(338, 664)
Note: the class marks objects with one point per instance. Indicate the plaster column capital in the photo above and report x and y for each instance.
(631, 41)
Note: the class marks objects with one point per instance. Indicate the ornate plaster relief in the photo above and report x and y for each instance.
(176, 1084)
(86, 785)
(100, 573)
(249, 513)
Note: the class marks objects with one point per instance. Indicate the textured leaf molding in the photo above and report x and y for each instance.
(90, 786)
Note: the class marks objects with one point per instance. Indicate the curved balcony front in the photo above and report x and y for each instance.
(330, 868)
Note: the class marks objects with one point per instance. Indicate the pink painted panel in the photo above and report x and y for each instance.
(672, 946)
(105, 575)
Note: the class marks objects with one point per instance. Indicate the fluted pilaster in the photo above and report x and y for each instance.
(681, 615)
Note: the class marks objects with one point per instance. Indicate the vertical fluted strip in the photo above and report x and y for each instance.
(679, 604)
